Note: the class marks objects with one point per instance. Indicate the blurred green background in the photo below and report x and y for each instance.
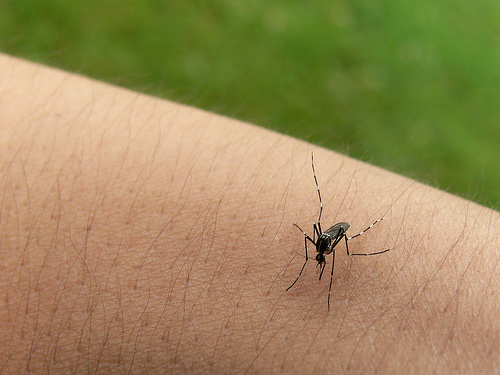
(412, 86)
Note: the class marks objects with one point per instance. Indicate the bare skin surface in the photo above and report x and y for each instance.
(139, 235)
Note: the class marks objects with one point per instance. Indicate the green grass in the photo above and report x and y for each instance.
(413, 86)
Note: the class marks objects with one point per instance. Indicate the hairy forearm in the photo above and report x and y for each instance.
(139, 234)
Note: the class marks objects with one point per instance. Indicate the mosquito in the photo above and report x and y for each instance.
(328, 239)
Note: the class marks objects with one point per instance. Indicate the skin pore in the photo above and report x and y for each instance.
(141, 235)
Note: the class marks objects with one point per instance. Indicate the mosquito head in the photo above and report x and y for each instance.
(320, 258)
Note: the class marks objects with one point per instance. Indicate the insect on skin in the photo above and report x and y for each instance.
(328, 239)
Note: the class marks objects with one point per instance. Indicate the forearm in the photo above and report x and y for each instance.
(140, 234)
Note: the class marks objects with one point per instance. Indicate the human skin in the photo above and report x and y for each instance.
(140, 235)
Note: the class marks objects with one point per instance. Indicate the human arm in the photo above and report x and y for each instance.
(139, 234)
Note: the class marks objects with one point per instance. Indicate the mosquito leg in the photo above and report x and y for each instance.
(316, 232)
(360, 233)
(319, 194)
(306, 237)
(348, 253)
(331, 279)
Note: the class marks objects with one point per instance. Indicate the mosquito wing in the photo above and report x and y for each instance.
(337, 230)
